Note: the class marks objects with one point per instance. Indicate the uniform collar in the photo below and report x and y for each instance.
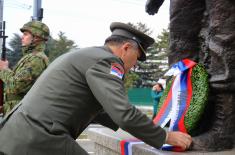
(33, 48)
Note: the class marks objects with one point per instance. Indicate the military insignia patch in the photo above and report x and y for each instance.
(117, 70)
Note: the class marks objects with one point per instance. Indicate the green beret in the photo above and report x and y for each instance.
(127, 31)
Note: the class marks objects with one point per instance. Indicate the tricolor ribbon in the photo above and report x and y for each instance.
(176, 104)
(178, 100)
(126, 145)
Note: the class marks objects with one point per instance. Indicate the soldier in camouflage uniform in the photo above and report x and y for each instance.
(18, 81)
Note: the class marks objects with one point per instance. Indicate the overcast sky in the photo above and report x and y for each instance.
(84, 21)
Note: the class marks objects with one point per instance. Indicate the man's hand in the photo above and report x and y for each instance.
(3, 65)
(152, 6)
(179, 139)
(154, 88)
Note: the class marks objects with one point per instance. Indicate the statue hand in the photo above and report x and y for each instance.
(152, 6)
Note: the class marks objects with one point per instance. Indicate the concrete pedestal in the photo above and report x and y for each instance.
(106, 142)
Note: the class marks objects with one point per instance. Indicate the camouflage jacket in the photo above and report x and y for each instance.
(18, 81)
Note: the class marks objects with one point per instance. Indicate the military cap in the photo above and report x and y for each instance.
(127, 31)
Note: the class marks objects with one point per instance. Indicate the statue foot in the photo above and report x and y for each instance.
(220, 135)
(211, 141)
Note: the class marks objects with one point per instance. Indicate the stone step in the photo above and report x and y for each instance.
(87, 145)
(107, 142)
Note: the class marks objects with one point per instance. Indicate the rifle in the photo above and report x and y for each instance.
(3, 57)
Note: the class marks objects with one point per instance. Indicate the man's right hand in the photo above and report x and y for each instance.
(3, 64)
(179, 139)
(152, 6)
(154, 88)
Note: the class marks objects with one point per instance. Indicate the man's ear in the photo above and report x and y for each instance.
(38, 39)
(126, 46)
(124, 49)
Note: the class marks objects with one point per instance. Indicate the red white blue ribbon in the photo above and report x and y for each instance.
(175, 105)
(178, 99)
(126, 145)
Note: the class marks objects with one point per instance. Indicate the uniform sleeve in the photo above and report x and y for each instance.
(21, 79)
(109, 91)
(104, 119)
(4, 74)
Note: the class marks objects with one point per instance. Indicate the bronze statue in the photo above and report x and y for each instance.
(204, 31)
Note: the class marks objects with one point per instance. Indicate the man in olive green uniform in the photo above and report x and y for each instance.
(73, 91)
(19, 80)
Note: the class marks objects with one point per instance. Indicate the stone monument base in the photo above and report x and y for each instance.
(106, 142)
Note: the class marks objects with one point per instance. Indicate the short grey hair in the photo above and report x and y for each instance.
(119, 40)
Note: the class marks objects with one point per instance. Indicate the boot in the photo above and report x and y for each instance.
(220, 135)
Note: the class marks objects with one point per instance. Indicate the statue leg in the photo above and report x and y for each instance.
(220, 41)
(220, 135)
(185, 25)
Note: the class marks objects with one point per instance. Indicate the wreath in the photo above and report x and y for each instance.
(200, 87)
